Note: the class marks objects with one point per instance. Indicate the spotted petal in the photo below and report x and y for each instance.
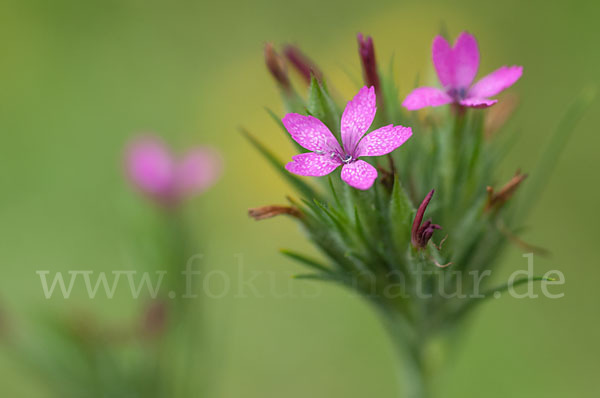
(496, 81)
(357, 117)
(359, 174)
(312, 164)
(383, 140)
(426, 96)
(310, 132)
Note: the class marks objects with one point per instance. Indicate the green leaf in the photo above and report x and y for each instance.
(393, 111)
(337, 220)
(296, 182)
(293, 102)
(277, 120)
(401, 213)
(556, 145)
(334, 193)
(321, 106)
(504, 287)
(306, 260)
(472, 303)
(341, 279)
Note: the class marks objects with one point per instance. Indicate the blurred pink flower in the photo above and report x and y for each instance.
(456, 68)
(153, 168)
(327, 154)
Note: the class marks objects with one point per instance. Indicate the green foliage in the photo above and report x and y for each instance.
(422, 293)
(320, 105)
(365, 236)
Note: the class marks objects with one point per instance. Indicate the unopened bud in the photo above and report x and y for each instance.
(366, 50)
(302, 63)
(262, 213)
(422, 233)
(276, 65)
(498, 199)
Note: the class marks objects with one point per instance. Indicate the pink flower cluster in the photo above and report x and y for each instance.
(456, 68)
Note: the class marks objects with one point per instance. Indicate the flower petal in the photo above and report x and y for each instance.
(496, 81)
(466, 60)
(198, 170)
(456, 67)
(426, 96)
(443, 61)
(310, 132)
(383, 140)
(478, 102)
(357, 117)
(312, 164)
(359, 174)
(150, 166)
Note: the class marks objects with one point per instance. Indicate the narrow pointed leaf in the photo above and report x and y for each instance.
(306, 260)
(472, 303)
(321, 106)
(296, 182)
(401, 214)
(556, 145)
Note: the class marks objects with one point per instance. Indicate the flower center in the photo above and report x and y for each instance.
(346, 159)
(343, 157)
(458, 93)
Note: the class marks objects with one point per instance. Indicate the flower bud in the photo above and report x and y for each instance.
(366, 51)
(302, 63)
(262, 213)
(276, 66)
(497, 199)
(421, 234)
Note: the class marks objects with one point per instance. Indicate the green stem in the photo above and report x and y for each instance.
(414, 375)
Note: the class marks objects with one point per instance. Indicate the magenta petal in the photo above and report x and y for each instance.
(477, 102)
(150, 166)
(359, 174)
(456, 66)
(198, 170)
(384, 140)
(426, 96)
(496, 81)
(466, 60)
(357, 117)
(443, 61)
(312, 164)
(310, 132)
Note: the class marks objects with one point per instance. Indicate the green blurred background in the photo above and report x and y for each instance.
(79, 78)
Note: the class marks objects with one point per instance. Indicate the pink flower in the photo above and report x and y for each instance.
(456, 68)
(154, 170)
(327, 154)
